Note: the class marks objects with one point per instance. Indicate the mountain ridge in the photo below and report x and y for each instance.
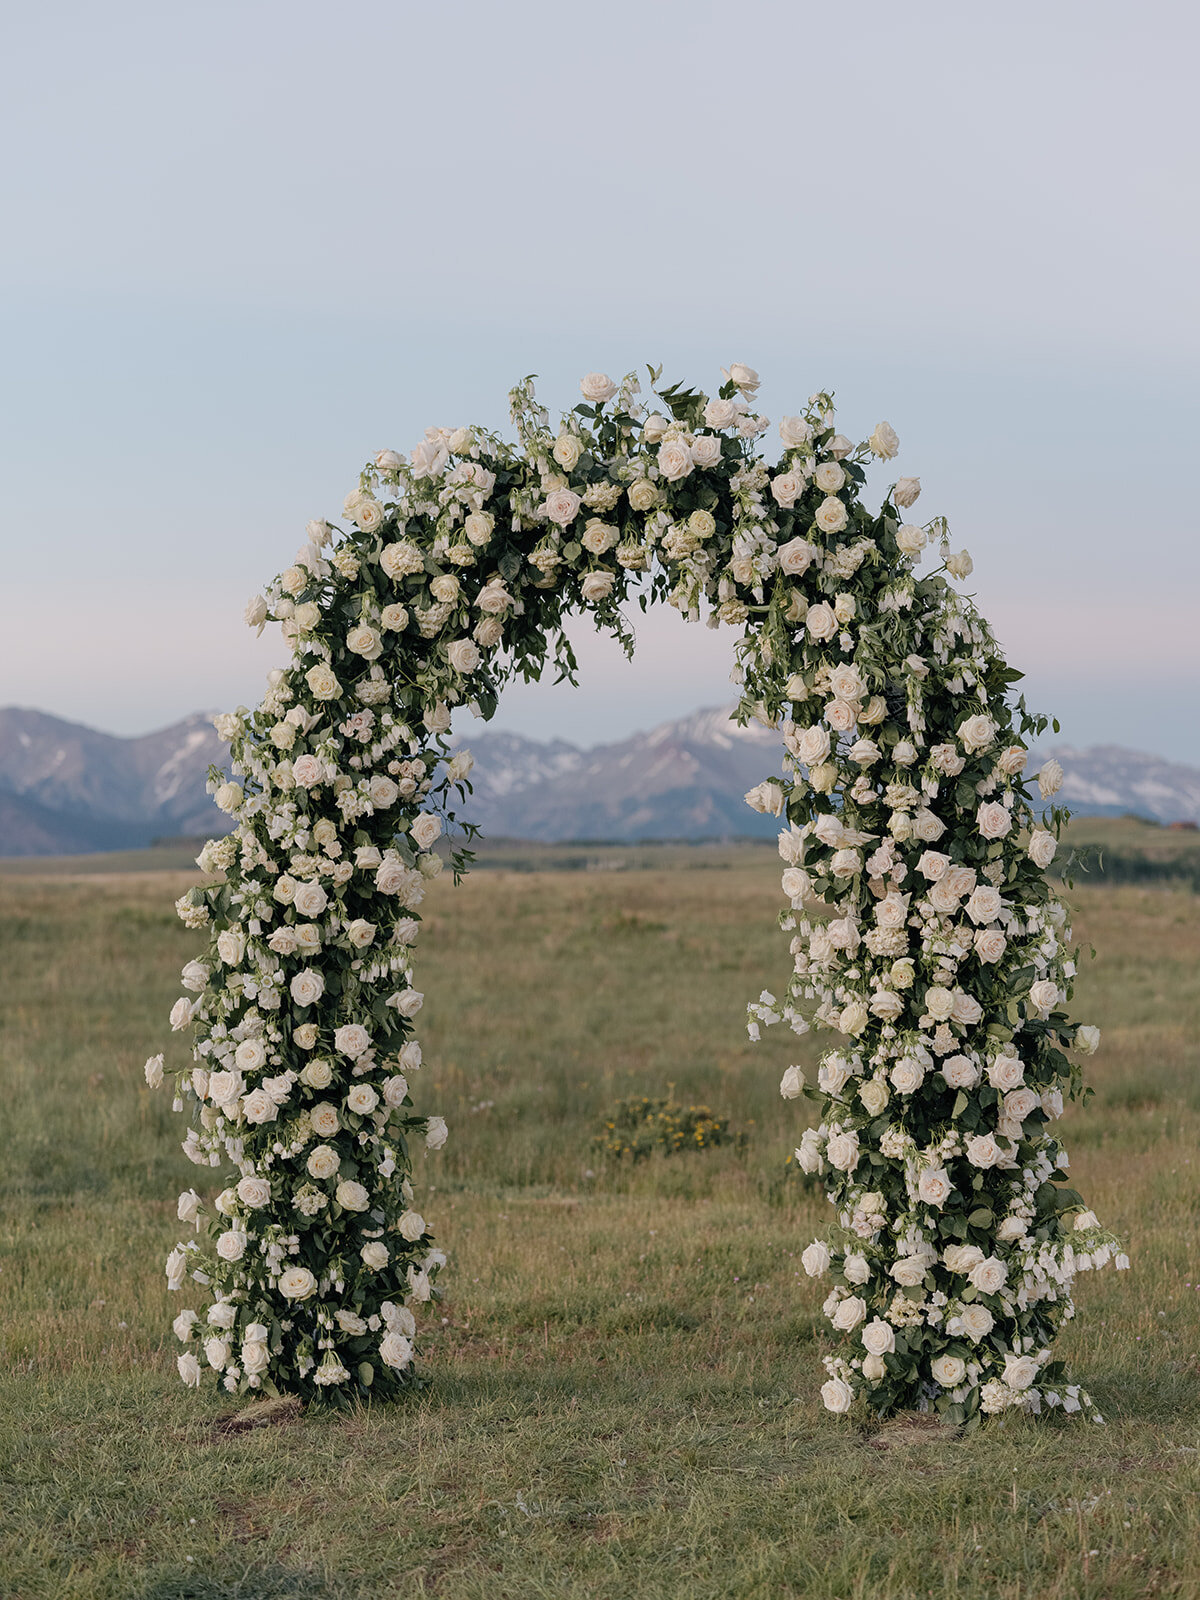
(69, 789)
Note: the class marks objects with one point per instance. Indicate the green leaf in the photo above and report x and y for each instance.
(981, 1217)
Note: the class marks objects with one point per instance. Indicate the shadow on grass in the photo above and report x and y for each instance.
(251, 1583)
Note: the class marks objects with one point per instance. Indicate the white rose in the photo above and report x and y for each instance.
(395, 1350)
(176, 1268)
(796, 556)
(795, 431)
(597, 586)
(831, 516)
(297, 1283)
(217, 1353)
(706, 451)
(994, 820)
(254, 1192)
(360, 933)
(786, 487)
(352, 1196)
(906, 492)
(911, 539)
(352, 1040)
(395, 1089)
(810, 745)
(967, 1009)
(821, 622)
(850, 1312)
(815, 1259)
(1019, 1371)
(990, 945)
(436, 1133)
(836, 1395)
(674, 459)
(184, 1325)
(364, 641)
(767, 798)
(654, 427)
(322, 683)
(853, 1020)
(884, 441)
(231, 1246)
(324, 1119)
(879, 1338)
(1044, 995)
(426, 830)
(829, 477)
(939, 1002)
(375, 1255)
(597, 387)
(949, 1371)
(322, 1162)
(411, 1225)
(907, 1075)
(463, 655)
(842, 1151)
(310, 899)
(720, 413)
(1041, 848)
(562, 506)
(189, 1369)
(154, 1072)
(307, 987)
(791, 1085)
(258, 1107)
(909, 1271)
(962, 1257)
(977, 732)
(856, 1269)
(977, 1321)
(362, 1099)
(934, 1186)
(1012, 760)
(1050, 779)
(983, 1151)
(960, 566)
(1087, 1040)
(255, 1356)
(250, 1055)
(1006, 1072)
(188, 1206)
(874, 1096)
(316, 1075)
(567, 451)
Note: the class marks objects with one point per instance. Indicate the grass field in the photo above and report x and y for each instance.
(623, 1388)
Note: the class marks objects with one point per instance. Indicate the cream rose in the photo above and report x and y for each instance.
(821, 622)
(949, 1371)
(254, 1192)
(674, 459)
(322, 1162)
(831, 516)
(884, 441)
(1041, 848)
(906, 492)
(297, 1283)
(352, 1196)
(597, 388)
(836, 1395)
(352, 1040)
(993, 819)
(879, 1338)
(795, 557)
(307, 987)
(426, 830)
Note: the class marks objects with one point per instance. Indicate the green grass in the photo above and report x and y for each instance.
(623, 1392)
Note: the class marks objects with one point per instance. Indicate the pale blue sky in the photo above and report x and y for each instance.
(247, 244)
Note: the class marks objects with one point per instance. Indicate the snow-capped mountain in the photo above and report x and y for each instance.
(66, 789)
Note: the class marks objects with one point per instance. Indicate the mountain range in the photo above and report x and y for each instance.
(66, 789)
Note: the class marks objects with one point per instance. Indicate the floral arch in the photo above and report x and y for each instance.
(942, 967)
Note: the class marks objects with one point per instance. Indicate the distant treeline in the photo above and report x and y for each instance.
(1095, 864)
